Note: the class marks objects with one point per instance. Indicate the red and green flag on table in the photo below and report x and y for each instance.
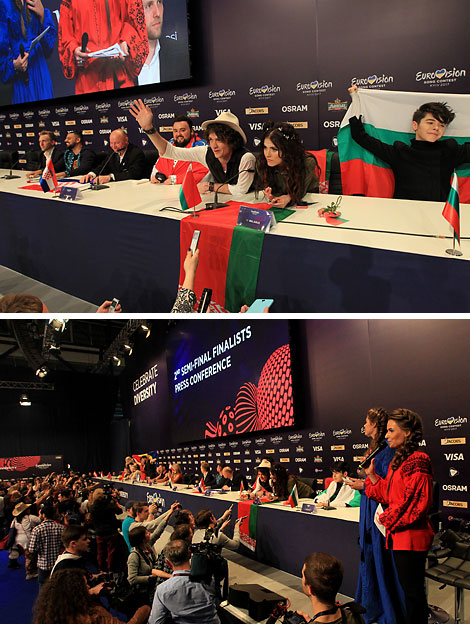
(451, 210)
(170, 482)
(229, 255)
(189, 193)
(387, 116)
(293, 499)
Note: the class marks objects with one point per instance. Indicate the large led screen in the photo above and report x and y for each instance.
(229, 378)
(58, 48)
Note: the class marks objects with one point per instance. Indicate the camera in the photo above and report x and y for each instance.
(290, 617)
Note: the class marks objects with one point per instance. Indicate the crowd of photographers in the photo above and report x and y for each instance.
(90, 555)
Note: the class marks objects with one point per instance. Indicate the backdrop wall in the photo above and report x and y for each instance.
(276, 60)
(342, 368)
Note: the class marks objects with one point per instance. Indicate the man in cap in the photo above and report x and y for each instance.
(231, 166)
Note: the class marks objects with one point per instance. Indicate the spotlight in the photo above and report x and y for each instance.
(117, 360)
(24, 401)
(145, 329)
(128, 348)
(58, 324)
(42, 371)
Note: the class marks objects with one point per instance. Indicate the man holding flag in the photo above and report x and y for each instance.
(422, 168)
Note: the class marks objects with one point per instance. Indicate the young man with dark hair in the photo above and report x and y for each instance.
(77, 543)
(339, 493)
(423, 168)
(78, 159)
(179, 597)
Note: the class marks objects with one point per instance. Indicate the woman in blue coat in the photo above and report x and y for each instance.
(378, 589)
(23, 66)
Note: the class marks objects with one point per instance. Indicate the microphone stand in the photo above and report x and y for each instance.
(10, 176)
(215, 204)
(99, 187)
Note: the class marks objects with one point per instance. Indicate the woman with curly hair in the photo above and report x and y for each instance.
(285, 171)
(283, 483)
(378, 588)
(407, 490)
(66, 599)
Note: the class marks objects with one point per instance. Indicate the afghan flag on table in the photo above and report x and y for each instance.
(293, 499)
(451, 210)
(48, 180)
(387, 116)
(229, 255)
(189, 193)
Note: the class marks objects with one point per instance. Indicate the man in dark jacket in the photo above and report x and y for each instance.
(127, 162)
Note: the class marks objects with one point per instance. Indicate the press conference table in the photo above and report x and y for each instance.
(383, 256)
(284, 536)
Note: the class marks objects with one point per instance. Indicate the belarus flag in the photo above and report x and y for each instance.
(48, 181)
(387, 116)
(451, 210)
(189, 193)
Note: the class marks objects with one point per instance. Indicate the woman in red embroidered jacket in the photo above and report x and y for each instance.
(407, 490)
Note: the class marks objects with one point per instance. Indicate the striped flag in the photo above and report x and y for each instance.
(451, 210)
(48, 180)
(189, 193)
(95, 474)
(387, 116)
(255, 484)
(170, 482)
(293, 499)
(201, 487)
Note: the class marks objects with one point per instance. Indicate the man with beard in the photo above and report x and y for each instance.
(168, 171)
(78, 159)
(168, 58)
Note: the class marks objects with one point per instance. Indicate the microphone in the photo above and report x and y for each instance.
(84, 42)
(366, 462)
(26, 76)
(99, 187)
(11, 176)
(215, 203)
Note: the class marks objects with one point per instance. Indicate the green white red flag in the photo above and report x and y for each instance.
(387, 116)
(451, 210)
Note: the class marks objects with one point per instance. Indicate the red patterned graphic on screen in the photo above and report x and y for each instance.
(260, 407)
(19, 463)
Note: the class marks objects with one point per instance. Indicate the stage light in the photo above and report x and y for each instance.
(24, 401)
(145, 329)
(117, 360)
(58, 324)
(128, 348)
(42, 371)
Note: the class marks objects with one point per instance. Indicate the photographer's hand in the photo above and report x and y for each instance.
(96, 589)
(224, 525)
(306, 617)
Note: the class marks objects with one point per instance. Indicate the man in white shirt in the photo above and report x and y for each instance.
(153, 10)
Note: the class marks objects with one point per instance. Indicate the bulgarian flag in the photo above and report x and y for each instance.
(229, 255)
(451, 210)
(293, 499)
(189, 193)
(387, 116)
(48, 180)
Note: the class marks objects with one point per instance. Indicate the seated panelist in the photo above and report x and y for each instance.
(284, 170)
(170, 171)
(78, 159)
(127, 162)
(230, 164)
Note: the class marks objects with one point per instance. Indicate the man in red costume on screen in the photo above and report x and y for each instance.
(88, 26)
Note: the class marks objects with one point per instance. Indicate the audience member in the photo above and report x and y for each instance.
(180, 598)
(66, 597)
(128, 520)
(46, 542)
(103, 512)
(23, 522)
(206, 526)
(24, 303)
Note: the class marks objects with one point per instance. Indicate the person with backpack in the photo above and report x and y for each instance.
(322, 575)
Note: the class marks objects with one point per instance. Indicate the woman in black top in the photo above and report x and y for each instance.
(285, 172)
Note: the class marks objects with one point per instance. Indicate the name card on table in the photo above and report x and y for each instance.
(256, 218)
(71, 193)
(308, 508)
